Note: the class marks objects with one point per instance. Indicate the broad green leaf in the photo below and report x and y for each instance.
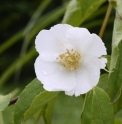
(25, 99)
(115, 78)
(79, 10)
(117, 34)
(88, 7)
(48, 112)
(39, 101)
(97, 108)
(4, 101)
(103, 82)
(8, 115)
(73, 13)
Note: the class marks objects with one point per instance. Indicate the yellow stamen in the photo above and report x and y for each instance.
(70, 59)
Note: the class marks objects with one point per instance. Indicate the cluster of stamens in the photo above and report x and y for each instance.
(70, 59)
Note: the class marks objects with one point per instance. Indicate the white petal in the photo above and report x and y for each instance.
(103, 62)
(54, 76)
(89, 45)
(60, 30)
(95, 47)
(87, 77)
(47, 46)
(70, 93)
(51, 43)
(76, 37)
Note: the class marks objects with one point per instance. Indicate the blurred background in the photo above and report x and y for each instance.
(20, 22)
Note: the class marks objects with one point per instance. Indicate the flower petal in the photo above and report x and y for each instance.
(51, 43)
(95, 47)
(54, 76)
(60, 30)
(103, 62)
(76, 37)
(89, 45)
(47, 46)
(87, 76)
(54, 42)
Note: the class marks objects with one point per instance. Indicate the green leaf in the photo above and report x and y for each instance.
(4, 101)
(79, 10)
(117, 34)
(8, 115)
(115, 79)
(97, 108)
(73, 13)
(25, 99)
(88, 7)
(67, 109)
(39, 101)
(103, 82)
(48, 112)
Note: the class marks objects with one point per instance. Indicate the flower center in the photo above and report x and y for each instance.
(70, 59)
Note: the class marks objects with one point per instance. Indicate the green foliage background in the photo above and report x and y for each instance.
(20, 22)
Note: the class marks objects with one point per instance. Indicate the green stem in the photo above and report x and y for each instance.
(105, 19)
(12, 68)
(15, 38)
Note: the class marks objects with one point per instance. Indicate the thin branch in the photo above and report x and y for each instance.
(13, 101)
(105, 19)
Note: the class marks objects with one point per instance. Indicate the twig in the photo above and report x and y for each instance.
(13, 101)
(105, 19)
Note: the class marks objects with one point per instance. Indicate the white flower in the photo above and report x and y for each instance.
(69, 59)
